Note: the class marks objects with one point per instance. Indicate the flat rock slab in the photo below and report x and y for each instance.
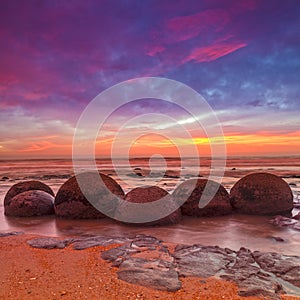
(201, 261)
(281, 221)
(283, 266)
(4, 234)
(79, 243)
(88, 242)
(48, 243)
(250, 278)
(145, 261)
(155, 274)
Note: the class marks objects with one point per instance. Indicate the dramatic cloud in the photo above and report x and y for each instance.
(213, 52)
(56, 56)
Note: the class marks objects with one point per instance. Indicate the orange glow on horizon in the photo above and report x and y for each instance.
(255, 144)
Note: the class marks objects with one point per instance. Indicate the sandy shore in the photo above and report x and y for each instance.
(28, 273)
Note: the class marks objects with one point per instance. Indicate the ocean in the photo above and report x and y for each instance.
(234, 231)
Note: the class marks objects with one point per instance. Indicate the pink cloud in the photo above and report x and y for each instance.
(213, 52)
(155, 50)
(34, 96)
(187, 27)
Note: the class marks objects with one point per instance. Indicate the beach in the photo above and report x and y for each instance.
(28, 273)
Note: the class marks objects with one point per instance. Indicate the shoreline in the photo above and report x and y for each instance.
(30, 273)
(241, 231)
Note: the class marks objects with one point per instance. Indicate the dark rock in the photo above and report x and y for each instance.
(49, 243)
(201, 261)
(139, 172)
(297, 204)
(297, 217)
(210, 192)
(54, 176)
(26, 186)
(250, 278)
(296, 226)
(88, 242)
(282, 221)
(12, 233)
(142, 240)
(283, 266)
(252, 282)
(155, 274)
(30, 203)
(277, 238)
(262, 194)
(140, 243)
(146, 195)
(71, 203)
(292, 184)
(79, 243)
(256, 273)
(171, 176)
(233, 169)
(118, 254)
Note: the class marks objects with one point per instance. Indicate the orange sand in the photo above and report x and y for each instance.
(27, 273)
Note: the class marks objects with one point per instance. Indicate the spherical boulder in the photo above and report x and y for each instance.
(148, 194)
(26, 186)
(70, 202)
(205, 192)
(30, 203)
(262, 194)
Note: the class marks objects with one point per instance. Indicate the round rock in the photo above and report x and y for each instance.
(70, 202)
(30, 203)
(208, 191)
(26, 186)
(262, 194)
(148, 194)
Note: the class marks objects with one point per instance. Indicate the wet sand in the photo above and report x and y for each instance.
(28, 273)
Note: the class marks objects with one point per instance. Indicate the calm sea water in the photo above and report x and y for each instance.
(232, 231)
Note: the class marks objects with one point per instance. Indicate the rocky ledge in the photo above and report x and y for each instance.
(148, 261)
(282, 221)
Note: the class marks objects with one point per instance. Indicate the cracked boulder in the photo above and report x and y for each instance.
(148, 206)
(30, 203)
(90, 198)
(25, 186)
(262, 194)
(202, 198)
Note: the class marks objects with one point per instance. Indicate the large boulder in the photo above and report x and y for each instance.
(262, 194)
(148, 194)
(30, 203)
(26, 186)
(208, 191)
(71, 203)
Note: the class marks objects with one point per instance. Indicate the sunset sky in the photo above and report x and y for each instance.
(243, 57)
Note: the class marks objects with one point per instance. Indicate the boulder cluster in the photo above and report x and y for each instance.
(256, 193)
